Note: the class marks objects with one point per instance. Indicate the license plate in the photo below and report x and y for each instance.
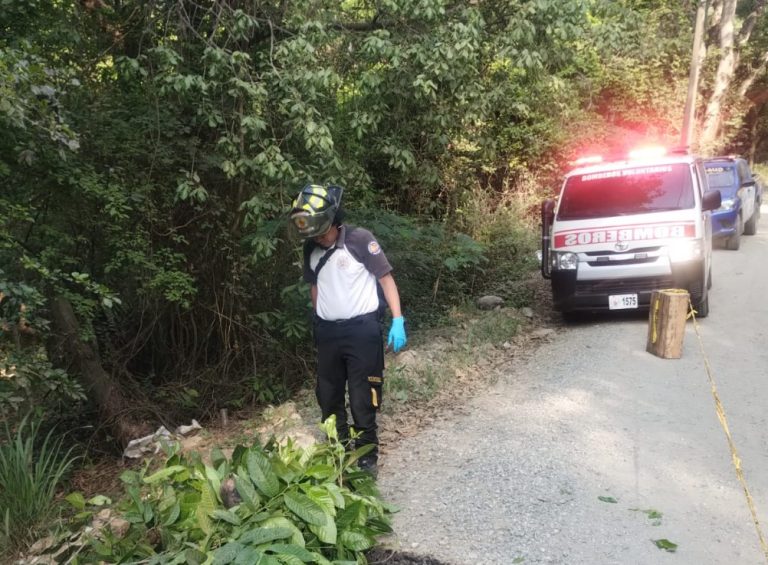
(622, 301)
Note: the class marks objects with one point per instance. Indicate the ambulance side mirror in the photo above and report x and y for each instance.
(711, 200)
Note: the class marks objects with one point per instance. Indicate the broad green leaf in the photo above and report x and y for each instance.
(245, 489)
(250, 556)
(321, 471)
(290, 549)
(173, 515)
(289, 559)
(320, 560)
(259, 536)
(323, 498)
(227, 553)
(608, 499)
(379, 525)
(665, 544)
(305, 508)
(335, 493)
(353, 514)
(100, 500)
(326, 532)
(164, 474)
(188, 503)
(205, 508)
(261, 473)
(356, 541)
(214, 479)
(280, 522)
(226, 515)
(194, 556)
(77, 500)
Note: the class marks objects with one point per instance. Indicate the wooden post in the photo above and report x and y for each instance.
(666, 323)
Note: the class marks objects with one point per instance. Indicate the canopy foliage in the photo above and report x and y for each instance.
(150, 149)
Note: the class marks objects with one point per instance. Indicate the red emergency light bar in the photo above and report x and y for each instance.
(591, 160)
(640, 153)
(648, 152)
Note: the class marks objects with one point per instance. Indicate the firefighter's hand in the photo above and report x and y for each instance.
(397, 337)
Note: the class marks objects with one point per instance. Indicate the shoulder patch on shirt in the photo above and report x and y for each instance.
(374, 248)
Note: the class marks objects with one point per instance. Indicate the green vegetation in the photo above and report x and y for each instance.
(665, 544)
(271, 504)
(32, 466)
(149, 152)
(653, 515)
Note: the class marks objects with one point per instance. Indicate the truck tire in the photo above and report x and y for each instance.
(750, 228)
(699, 293)
(702, 308)
(734, 242)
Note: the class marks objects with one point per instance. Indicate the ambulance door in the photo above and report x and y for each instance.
(706, 217)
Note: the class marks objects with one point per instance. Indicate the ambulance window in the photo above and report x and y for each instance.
(624, 192)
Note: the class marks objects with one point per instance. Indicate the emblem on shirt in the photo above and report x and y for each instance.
(374, 248)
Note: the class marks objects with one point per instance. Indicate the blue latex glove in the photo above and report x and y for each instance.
(397, 337)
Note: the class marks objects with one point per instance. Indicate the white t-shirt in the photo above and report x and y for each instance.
(347, 283)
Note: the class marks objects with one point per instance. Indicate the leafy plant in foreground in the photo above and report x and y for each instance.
(30, 473)
(268, 505)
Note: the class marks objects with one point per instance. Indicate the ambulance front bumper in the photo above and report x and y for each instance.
(572, 293)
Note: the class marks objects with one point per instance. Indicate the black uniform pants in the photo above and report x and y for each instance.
(350, 355)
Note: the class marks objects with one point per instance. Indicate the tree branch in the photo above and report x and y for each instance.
(750, 21)
(754, 74)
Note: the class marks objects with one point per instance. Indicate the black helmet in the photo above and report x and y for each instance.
(314, 209)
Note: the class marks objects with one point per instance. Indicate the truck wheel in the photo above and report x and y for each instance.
(702, 308)
(734, 242)
(750, 228)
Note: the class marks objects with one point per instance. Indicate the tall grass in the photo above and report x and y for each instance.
(30, 472)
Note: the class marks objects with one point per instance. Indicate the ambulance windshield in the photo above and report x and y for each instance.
(622, 192)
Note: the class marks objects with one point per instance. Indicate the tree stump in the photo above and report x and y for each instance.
(666, 322)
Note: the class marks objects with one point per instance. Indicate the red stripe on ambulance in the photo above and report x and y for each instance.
(623, 233)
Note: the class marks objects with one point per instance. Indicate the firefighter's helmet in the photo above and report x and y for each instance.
(314, 209)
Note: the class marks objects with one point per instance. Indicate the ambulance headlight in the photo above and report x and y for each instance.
(727, 204)
(566, 261)
(681, 251)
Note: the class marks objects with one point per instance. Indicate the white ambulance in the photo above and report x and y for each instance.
(621, 229)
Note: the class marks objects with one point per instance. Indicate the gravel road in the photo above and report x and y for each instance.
(517, 476)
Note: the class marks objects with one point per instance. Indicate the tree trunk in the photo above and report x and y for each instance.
(724, 77)
(69, 350)
(666, 323)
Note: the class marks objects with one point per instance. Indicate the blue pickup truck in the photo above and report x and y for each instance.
(741, 193)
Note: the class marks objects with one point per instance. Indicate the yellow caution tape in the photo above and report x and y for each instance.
(724, 424)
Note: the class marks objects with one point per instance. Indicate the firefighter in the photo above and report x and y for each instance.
(348, 272)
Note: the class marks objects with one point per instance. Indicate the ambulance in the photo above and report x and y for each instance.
(622, 228)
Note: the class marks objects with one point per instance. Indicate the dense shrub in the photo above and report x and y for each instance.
(272, 504)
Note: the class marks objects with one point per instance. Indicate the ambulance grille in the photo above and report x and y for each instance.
(614, 263)
(613, 252)
(623, 286)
